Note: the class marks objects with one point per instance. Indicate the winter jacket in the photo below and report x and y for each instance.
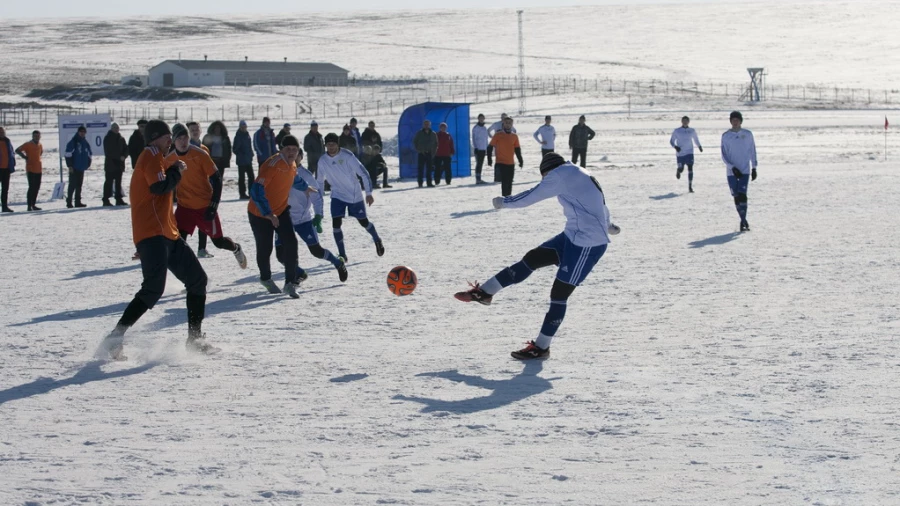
(313, 145)
(78, 153)
(10, 158)
(348, 142)
(280, 138)
(114, 148)
(135, 146)
(358, 139)
(218, 144)
(579, 136)
(371, 137)
(425, 141)
(242, 147)
(264, 144)
(445, 145)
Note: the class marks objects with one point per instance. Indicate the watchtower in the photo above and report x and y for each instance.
(757, 89)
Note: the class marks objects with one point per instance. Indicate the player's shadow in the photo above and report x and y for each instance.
(471, 213)
(104, 272)
(715, 241)
(83, 314)
(503, 392)
(278, 277)
(90, 372)
(246, 302)
(670, 195)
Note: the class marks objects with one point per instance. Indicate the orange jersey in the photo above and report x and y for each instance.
(151, 214)
(505, 145)
(33, 151)
(5, 152)
(194, 190)
(277, 177)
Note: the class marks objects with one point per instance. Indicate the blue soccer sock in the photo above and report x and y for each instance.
(335, 261)
(552, 320)
(690, 177)
(370, 228)
(742, 210)
(339, 240)
(515, 273)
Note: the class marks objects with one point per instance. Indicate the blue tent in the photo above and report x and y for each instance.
(456, 116)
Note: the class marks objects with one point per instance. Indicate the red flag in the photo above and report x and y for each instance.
(886, 123)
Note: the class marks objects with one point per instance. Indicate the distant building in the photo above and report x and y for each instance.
(197, 73)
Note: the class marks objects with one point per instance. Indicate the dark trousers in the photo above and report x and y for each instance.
(442, 165)
(374, 172)
(264, 235)
(579, 151)
(34, 186)
(76, 179)
(506, 173)
(545, 151)
(159, 254)
(4, 186)
(112, 182)
(426, 167)
(245, 171)
(479, 163)
(313, 163)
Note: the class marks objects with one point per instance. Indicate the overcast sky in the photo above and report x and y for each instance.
(107, 8)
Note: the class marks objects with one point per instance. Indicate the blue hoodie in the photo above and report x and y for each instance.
(78, 153)
(242, 147)
(10, 155)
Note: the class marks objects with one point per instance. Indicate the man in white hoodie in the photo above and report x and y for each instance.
(479, 142)
(546, 136)
(739, 155)
(340, 168)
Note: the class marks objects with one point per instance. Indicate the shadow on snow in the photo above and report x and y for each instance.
(503, 392)
(669, 195)
(471, 213)
(103, 272)
(715, 241)
(90, 372)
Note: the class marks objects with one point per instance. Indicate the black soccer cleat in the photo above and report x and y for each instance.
(531, 352)
(678, 173)
(745, 226)
(475, 294)
(379, 248)
(342, 271)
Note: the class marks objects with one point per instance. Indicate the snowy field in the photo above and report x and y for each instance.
(696, 365)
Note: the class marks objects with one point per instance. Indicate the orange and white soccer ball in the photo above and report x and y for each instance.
(402, 280)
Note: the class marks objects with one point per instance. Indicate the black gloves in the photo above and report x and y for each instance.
(490, 161)
(678, 149)
(521, 163)
(736, 172)
(210, 214)
(753, 175)
(700, 148)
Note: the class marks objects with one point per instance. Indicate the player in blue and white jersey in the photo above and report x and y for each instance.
(303, 204)
(683, 140)
(340, 168)
(739, 155)
(575, 251)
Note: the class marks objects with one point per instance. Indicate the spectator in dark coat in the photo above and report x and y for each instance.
(354, 131)
(7, 167)
(116, 151)
(376, 166)
(425, 142)
(370, 137)
(264, 142)
(347, 140)
(219, 145)
(136, 142)
(443, 156)
(578, 140)
(78, 160)
(242, 147)
(314, 145)
(285, 130)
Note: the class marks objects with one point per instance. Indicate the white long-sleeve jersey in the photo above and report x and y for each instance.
(739, 150)
(480, 137)
(496, 127)
(546, 133)
(684, 138)
(341, 171)
(300, 202)
(587, 217)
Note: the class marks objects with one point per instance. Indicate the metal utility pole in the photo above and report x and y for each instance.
(521, 66)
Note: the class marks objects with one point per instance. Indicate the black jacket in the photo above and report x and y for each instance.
(114, 148)
(371, 137)
(135, 146)
(314, 146)
(347, 142)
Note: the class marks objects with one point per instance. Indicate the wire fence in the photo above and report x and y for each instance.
(367, 96)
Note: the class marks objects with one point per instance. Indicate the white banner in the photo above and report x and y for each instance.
(97, 126)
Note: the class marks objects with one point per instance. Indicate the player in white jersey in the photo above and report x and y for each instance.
(498, 125)
(575, 251)
(340, 168)
(480, 140)
(739, 155)
(545, 135)
(683, 140)
(306, 224)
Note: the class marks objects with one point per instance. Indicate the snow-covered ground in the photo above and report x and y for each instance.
(696, 365)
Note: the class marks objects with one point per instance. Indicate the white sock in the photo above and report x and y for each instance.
(543, 341)
(491, 286)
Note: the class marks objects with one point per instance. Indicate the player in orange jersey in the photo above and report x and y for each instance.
(161, 248)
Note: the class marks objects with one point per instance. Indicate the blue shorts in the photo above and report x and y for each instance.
(739, 184)
(307, 233)
(339, 209)
(685, 160)
(575, 262)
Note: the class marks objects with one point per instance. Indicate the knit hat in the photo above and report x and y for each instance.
(141, 122)
(290, 140)
(114, 125)
(155, 129)
(551, 161)
(313, 123)
(287, 125)
(242, 123)
(178, 130)
(736, 114)
(82, 128)
(332, 137)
